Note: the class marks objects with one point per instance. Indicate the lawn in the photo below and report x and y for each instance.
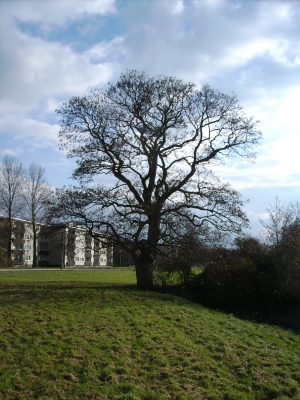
(93, 335)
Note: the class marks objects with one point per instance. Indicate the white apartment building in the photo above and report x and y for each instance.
(65, 246)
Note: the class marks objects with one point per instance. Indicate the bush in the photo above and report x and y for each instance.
(236, 280)
(226, 282)
(172, 271)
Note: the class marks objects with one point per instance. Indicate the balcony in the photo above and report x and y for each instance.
(17, 251)
(88, 264)
(44, 252)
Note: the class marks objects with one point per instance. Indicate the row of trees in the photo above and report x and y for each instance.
(24, 193)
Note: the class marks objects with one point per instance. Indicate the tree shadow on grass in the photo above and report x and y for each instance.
(289, 319)
(32, 294)
(15, 294)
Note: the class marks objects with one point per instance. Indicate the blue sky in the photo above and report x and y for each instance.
(54, 49)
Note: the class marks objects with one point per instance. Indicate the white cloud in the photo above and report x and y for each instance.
(16, 151)
(38, 69)
(35, 69)
(207, 39)
(38, 75)
(57, 13)
(178, 6)
(31, 133)
(102, 51)
(277, 164)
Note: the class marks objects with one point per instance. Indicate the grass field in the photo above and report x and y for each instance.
(93, 335)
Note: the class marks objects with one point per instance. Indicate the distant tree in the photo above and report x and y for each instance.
(281, 233)
(253, 249)
(37, 195)
(157, 138)
(11, 199)
(291, 252)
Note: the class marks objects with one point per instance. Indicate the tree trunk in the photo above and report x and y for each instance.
(144, 262)
(144, 273)
(34, 258)
(9, 242)
(10, 234)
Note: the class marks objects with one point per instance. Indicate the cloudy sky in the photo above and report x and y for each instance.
(54, 49)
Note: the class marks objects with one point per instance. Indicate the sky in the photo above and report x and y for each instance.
(52, 50)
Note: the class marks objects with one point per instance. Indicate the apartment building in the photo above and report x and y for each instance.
(65, 245)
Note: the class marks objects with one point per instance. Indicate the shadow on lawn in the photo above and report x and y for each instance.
(31, 293)
(289, 319)
(18, 294)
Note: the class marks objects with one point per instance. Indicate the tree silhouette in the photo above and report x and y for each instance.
(156, 137)
(11, 196)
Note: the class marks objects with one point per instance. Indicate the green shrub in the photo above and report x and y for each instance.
(172, 271)
(224, 284)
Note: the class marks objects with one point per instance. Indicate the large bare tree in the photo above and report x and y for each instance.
(11, 200)
(37, 194)
(156, 137)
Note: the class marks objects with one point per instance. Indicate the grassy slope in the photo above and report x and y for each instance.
(92, 335)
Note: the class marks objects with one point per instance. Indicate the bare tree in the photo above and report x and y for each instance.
(11, 200)
(37, 195)
(157, 138)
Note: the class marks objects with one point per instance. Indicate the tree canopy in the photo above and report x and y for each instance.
(157, 137)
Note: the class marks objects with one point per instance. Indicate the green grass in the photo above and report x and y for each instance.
(93, 335)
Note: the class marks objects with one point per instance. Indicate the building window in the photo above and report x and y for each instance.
(27, 247)
(43, 258)
(27, 257)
